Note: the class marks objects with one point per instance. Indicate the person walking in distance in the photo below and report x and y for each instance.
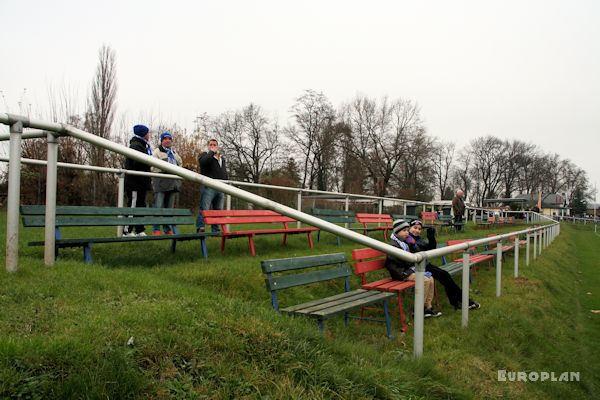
(212, 164)
(136, 187)
(458, 208)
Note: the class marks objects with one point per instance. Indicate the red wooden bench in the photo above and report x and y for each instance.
(429, 218)
(473, 258)
(225, 218)
(366, 219)
(370, 260)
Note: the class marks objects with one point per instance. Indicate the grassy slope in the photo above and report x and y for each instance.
(206, 329)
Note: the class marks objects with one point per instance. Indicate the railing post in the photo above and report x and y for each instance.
(347, 208)
(121, 199)
(516, 256)
(540, 241)
(299, 206)
(50, 220)
(404, 208)
(535, 233)
(13, 198)
(499, 268)
(419, 308)
(528, 236)
(465, 289)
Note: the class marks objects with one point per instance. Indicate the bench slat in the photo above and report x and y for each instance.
(289, 231)
(84, 241)
(288, 264)
(374, 297)
(324, 300)
(97, 211)
(38, 221)
(286, 281)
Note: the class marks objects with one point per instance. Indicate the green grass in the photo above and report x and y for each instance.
(205, 329)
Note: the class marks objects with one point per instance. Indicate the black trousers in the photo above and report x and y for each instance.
(135, 199)
(458, 219)
(453, 291)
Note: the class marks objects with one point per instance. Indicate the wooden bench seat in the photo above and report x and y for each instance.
(369, 260)
(227, 218)
(327, 267)
(86, 216)
(474, 258)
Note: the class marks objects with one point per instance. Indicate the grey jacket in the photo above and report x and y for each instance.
(165, 184)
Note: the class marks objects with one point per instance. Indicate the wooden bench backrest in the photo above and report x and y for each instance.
(367, 260)
(429, 216)
(34, 216)
(277, 274)
(459, 241)
(405, 217)
(492, 219)
(365, 218)
(236, 217)
(334, 216)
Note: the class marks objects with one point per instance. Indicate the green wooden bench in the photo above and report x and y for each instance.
(336, 217)
(289, 272)
(78, 216)
(406, 217)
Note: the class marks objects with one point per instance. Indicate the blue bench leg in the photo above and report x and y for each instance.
(338, 240)
(203, 247)
(173, 245)
(388, 324)
(346, 318)
(321, 325)
(87, 253)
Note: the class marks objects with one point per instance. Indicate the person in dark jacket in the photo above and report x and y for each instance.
(165, 189)
(212, 164)
(401, 270)
(136, 187)
(458, 208)
(417, 244)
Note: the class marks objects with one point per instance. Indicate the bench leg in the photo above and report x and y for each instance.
(203, 247)
(284, 239)
(403, 326)
(223, 243)
(388, 324)
(173, 245)
(87, 253)
(319, 235)
(338, 240)
(310, 241)
(251, 244)
(346, 318)
(321, 324)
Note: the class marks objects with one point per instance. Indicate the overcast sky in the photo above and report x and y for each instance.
(513, 69)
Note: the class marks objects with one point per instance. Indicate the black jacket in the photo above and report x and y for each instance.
(399, 269)
(209, 166)
(132, 182)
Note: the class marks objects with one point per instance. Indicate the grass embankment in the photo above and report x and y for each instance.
(205, 329)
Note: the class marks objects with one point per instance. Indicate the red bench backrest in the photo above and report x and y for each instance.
(367, 260)
(365, 218)
(459, 241)
(429, 216)
(224, 217)
(492, 219)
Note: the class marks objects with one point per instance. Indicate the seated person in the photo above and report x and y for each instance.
(404, 271)
(417, 244)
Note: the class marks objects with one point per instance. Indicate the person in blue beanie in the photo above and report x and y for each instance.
(165, 189)
(136, 187)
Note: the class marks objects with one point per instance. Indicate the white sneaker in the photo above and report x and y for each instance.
(129, 234)
(142, 234)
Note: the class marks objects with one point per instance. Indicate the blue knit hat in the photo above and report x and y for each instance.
(140, 130)
(165, 135)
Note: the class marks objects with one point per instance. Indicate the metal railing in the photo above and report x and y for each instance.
(542, 236)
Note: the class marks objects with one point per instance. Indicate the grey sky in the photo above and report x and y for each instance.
(513, 69)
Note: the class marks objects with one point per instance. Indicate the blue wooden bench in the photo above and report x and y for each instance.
(289, 272)
(336, 217)
(83, 216)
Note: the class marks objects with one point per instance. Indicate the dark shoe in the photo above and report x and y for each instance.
(473, 305)
(200, 230)
(431, 312)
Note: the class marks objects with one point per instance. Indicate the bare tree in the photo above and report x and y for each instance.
(250, 139)
(314, 115)
(442, 159)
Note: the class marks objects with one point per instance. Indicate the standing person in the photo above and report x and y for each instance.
(404, 271)
(458, 208)
(136, 187)
(165, 189)
(417, 244)
(212, 164)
